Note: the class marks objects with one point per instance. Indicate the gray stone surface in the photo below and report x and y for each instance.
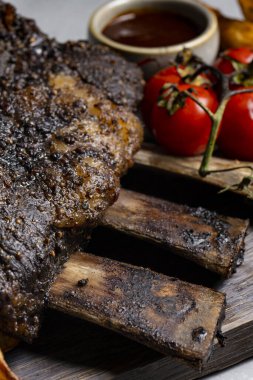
(68, 19)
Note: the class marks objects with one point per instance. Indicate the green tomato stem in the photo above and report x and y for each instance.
(207, 110)
(248, 167)
(216, 122)
(216, 118)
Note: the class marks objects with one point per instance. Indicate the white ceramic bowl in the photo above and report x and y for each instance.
(206, 45)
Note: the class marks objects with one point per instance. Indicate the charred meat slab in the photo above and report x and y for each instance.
(63, 147)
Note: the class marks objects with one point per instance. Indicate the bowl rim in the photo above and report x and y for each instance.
(210, 30)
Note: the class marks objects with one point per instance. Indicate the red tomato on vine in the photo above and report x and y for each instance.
(233, 60)
(179, 124)
(236, 132)
(173, 75)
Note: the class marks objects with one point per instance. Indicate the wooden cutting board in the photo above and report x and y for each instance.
(69, 348)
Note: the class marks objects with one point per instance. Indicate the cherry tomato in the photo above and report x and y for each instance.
(186, 132)
(172, 74)
(236, 134)
(228, 61)
(154, 86)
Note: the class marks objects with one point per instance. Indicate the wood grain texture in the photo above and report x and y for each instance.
(151, 156)
(212, 241)
(166, 314)
(70, 349)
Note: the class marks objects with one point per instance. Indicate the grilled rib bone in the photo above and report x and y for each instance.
(212, 241)
(166, 314)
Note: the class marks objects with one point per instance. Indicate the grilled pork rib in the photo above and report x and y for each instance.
(63, 147)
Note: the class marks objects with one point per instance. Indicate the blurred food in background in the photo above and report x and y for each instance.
(236, 33)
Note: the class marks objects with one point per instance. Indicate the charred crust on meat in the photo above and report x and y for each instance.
(83, 282)
(61, 156)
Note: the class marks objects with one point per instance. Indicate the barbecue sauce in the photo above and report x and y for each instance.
(151, 28)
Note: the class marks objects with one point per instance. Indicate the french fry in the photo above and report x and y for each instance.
(5, 371)
(247, 8)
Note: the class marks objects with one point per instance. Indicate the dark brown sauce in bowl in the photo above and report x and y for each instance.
(151, 28)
